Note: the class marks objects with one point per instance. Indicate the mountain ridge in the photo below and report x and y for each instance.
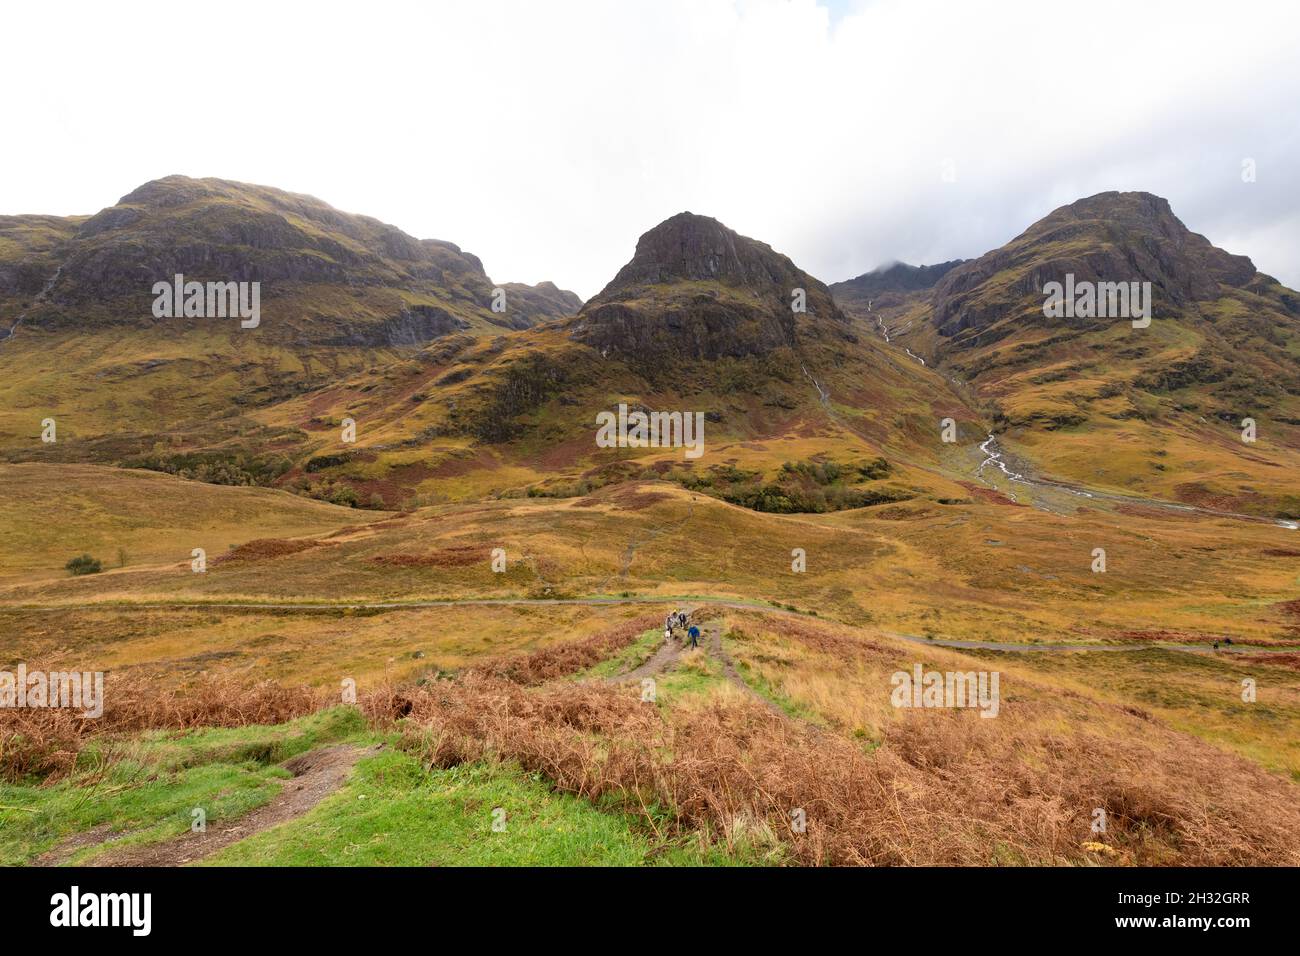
(895, 276)
(400, 334)
(228, 231)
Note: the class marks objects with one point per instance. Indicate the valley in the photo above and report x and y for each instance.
(402, 492)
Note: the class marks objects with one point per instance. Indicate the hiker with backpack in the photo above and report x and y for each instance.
(694, 635)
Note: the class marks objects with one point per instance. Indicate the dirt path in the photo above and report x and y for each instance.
(664, 658)
(316, 775)
(713, 645)
(668, 653)
(68, 847)
(319, 607)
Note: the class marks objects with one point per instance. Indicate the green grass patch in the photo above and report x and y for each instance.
(143, 790)
(393, 812)
(694, 676)
(629, 658)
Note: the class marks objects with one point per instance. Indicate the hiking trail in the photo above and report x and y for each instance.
(316, 775)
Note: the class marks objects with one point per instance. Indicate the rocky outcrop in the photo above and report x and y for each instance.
(542, 301)
(413, 327)
(697, 290)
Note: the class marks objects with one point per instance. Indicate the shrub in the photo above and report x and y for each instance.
(344, 495)
(216, 468)
(940, 789)
(84, 564)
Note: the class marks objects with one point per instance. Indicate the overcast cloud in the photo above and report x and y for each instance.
(546, 136)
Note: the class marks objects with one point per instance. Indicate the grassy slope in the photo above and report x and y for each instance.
(982, 570)
(395, 813)
(417, 420)
(458, 420)
(391, 812)
(1195, 694)
(1063, 393)
(142, 791)
(54, 513)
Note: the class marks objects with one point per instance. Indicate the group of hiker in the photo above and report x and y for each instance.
(681, 620)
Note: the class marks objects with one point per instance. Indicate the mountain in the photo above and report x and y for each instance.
(1095, 399)
(696, 290)
(327, 277)
(449, 395)
(879, 300)
(699, 321)
(80, 340)
(897, 277)
(1108, 237)
(543, 301)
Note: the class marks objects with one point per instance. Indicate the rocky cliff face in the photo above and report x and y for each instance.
(411, 328)
(696, 290)
(31, 248)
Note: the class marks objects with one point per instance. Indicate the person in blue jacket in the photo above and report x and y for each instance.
(694, 635)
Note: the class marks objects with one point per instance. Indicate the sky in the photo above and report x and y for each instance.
(545, 136)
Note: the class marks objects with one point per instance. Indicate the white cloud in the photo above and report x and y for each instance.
(547, 136)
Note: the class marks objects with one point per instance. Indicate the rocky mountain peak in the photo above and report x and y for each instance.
(696, 289)
(1109, 237)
